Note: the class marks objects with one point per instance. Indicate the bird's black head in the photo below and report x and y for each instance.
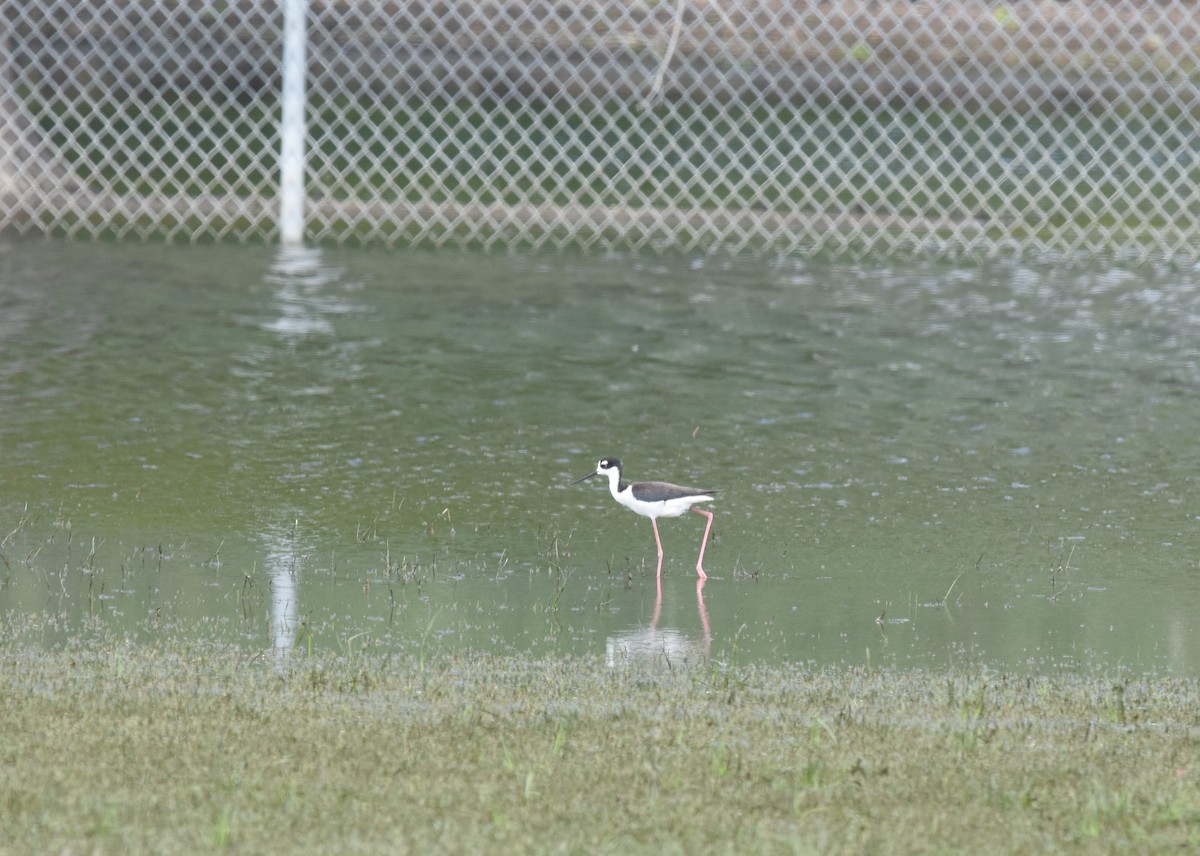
(603, 467)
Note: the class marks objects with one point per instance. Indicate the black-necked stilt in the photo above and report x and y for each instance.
(655, 499)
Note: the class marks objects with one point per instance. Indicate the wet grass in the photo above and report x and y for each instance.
(109, 747)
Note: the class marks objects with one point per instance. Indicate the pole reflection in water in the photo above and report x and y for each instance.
(666, 647)
(307, 300)
(283, 574)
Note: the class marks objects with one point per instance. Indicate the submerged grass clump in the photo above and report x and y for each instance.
(181, 749)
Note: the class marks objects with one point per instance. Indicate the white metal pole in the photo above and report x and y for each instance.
(292, 129)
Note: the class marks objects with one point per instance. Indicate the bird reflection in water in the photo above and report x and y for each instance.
(665, 647)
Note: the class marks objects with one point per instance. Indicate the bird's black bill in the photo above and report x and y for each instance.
(584, 478)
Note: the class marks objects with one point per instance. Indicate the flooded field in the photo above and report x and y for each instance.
(919, 464)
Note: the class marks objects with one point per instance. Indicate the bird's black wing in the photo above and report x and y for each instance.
(662, 491)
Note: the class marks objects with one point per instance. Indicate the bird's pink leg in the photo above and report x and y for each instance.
(658, 544)
(704, 543)
(703, 612)
(657, 607)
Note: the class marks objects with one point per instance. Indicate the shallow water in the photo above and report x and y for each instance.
(920, 464)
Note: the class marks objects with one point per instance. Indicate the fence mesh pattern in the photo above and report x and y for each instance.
(944, 126)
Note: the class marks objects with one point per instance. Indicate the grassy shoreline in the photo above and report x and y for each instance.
(138, 749)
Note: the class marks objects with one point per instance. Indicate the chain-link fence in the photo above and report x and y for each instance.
(945, 126)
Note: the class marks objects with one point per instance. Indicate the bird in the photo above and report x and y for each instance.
(655, 499)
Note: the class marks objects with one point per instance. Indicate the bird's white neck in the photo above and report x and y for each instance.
(614, 483)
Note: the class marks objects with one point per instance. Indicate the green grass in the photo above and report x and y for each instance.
(113, 748)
